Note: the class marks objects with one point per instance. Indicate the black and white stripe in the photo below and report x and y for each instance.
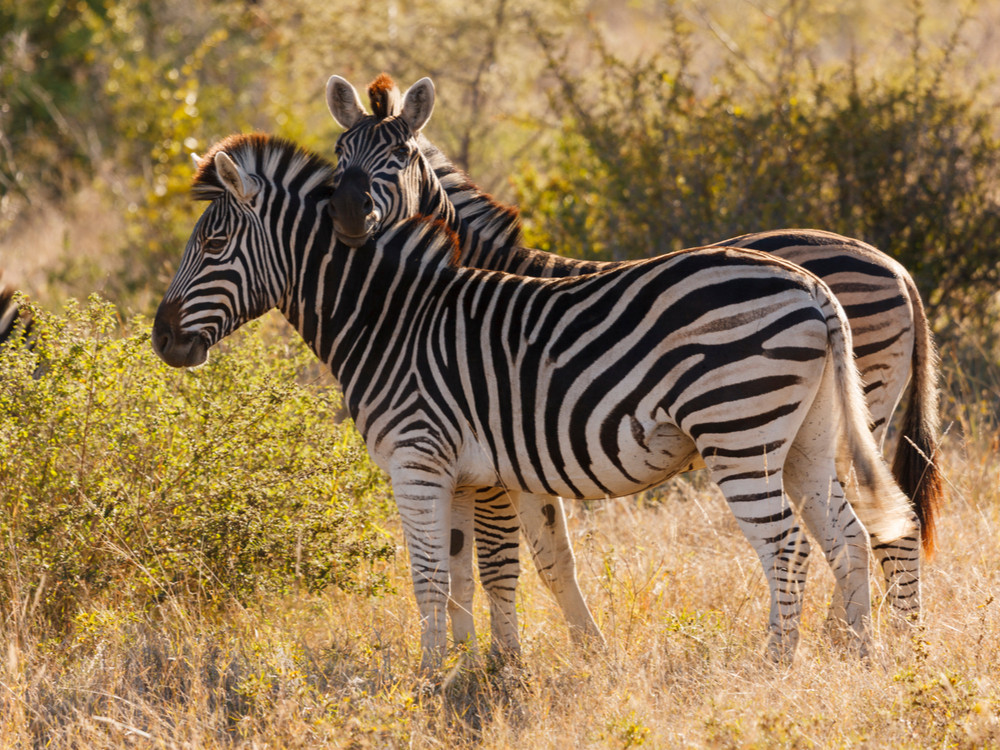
(582, 387)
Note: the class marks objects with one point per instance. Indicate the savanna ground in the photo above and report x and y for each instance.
(208, 559)
(680, 599)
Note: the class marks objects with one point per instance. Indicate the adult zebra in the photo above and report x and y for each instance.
(592, 386)
(387, 169)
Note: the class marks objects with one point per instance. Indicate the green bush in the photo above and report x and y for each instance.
(120, 476)
(650, 159)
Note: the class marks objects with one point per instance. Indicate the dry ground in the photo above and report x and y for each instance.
(680, 598)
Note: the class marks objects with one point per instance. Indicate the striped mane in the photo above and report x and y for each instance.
(442, 241)
(472, 202)
(262, 155)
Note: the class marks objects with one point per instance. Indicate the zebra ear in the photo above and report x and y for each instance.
(418, 103)
(344, 103)
(196, 159)
(235, 180)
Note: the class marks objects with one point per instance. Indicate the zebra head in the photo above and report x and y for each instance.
(235, 266)
(380, 172)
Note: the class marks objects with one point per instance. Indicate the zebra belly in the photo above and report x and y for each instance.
(645, 459)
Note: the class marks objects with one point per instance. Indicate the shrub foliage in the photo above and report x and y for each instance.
(649, 160)
(119, 475)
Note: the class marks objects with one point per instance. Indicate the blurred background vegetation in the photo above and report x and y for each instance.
(620, 129)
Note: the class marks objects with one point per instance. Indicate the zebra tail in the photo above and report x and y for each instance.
(914, 464)
(879, 503)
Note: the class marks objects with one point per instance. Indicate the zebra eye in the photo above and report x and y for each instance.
(215, 244)
(402, 151)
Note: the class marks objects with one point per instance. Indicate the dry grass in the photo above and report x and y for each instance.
(72, 237)
(678, 594)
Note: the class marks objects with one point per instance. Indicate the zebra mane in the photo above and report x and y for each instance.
(384, 97)
(264, 156)
(471, 202)
(440, 240)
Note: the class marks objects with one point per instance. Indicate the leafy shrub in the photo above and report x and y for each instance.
(649, 160)
(119, 475)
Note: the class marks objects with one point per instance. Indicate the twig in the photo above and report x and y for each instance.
(128, 729)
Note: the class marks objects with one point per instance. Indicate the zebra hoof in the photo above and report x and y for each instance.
(780, 649)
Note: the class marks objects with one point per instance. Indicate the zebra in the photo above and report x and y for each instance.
(879, 296)
(586, 387)
(12, 314)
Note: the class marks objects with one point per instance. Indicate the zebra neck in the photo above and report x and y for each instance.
(434, 199)
(490, 232)
(306, 298)
(353, 307)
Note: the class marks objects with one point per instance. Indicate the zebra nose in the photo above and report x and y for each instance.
(353, 208)
(163, 336)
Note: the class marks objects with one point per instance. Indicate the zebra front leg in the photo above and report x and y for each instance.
(543, 520)
(460, 596)
(424, 499)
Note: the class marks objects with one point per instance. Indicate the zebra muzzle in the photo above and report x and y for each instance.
(176, 347)
(355, 217)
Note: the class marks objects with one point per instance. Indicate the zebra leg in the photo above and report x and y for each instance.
(497, 549)
(543, 519)
(811, 482)
(463, 628)
(753, 489)
(424, 499)
(900, 562)
(885, 370)
(884, 375)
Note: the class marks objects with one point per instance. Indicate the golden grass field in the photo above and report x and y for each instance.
(676, 589)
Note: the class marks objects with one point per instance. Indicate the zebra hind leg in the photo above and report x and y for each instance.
(756, 497)
(811, 482)
(462, 585)
(885, 373)
(900, 563)
(543, 519)
(497, 550)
